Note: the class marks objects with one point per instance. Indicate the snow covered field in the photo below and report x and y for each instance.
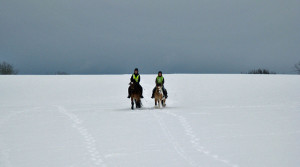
(209, 121)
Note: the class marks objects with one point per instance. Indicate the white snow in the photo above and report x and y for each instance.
(209, 121)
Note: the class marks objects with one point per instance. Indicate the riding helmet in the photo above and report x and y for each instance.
(136, 69)
(159, 72)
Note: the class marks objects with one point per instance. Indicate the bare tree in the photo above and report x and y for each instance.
(7, 69)
(261, 71)
(297, 67)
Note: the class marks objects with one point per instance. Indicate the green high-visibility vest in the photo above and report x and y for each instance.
(159, 79)
(136, 78)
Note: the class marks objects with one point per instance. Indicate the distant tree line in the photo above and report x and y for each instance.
(297, 67)
(61, 73)
(7, 69)
(261, 71)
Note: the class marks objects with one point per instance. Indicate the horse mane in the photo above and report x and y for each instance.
(159, 84)
(134, 88)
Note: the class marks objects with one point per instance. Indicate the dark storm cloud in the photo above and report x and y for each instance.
(94, 36)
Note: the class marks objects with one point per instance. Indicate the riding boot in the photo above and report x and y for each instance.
(128, 93)
(165, 92)
(166, 95)
(153, 93)
(142, 92)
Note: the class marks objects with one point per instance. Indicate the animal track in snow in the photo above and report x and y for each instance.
(89, 140)
(195, 141)
(172, 140)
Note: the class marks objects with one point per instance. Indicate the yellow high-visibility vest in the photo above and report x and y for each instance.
(159, 79)
(136, 78)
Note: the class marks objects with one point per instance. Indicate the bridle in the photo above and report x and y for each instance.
(159, 89)
(133, 87)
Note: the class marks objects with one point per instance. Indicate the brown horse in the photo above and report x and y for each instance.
(159, 96)
(135, 95)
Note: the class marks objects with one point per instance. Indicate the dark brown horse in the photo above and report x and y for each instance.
(135, 95)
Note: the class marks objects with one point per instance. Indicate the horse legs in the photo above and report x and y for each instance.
(132, 104)
(138, 103)
(155, 102)
(159, 101)
(163, 102)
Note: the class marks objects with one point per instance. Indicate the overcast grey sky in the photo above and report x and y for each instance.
(176, 36)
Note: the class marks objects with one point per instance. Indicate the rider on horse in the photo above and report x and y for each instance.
(135, 78)
(160, 81)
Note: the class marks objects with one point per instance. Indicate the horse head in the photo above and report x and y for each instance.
(132, 85)
(159, 88)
